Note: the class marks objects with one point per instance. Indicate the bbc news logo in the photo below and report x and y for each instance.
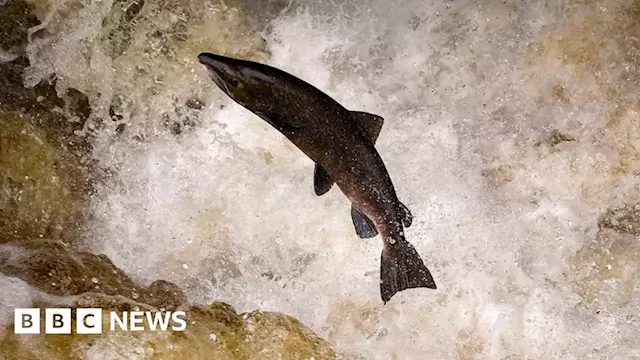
(89, 321)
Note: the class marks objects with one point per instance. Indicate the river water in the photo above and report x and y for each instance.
(510, 129)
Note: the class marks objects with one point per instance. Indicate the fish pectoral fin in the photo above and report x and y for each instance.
(369, 124)
(407, 218)
(365, 228)
(322, 182)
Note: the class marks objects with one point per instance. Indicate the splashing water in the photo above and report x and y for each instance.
(510, 129)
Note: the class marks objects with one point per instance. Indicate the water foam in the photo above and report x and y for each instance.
(227, 210)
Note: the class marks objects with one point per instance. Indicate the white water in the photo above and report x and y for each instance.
(226, 209)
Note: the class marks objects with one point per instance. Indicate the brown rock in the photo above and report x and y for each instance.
(213, 332)
(43, 186)
(16, 17)
(54, 269)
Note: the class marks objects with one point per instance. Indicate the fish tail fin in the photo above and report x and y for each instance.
(402, 268)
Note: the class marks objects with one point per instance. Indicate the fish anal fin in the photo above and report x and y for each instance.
(365, 228)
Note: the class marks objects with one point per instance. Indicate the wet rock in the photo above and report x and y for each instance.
(415, 22)
(301, 263)
(469, 344)
(557, 137)
(151, 49)
(269, 275)
(212, 332)
(624, 219)
(263, 11)
(499, 175)
(277, 336)
(605, 271)
(54, 269)
(45, 173)
(120, 128)
(43, 185)
(16, 17)
(163, 294)
(60, 118)
(119, 25)
(590, 55)
(554, 138)
(195, 103)
(77, 105)
(168, 25)
(15, 97)
(559, 93)
(82, 280)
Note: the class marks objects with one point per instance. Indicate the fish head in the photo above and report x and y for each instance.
(243, 81)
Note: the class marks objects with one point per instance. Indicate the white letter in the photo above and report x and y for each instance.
(26, 321)
(57, 321)
(114, 318)
(89, 321)
(158, 318)
(136, 317)
(178, 317)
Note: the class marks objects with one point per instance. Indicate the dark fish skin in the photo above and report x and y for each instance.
(339, 141)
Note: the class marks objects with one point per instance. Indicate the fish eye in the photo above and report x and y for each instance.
(233, 82)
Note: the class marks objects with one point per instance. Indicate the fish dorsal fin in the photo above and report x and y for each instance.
(322, 182)
(369, 124)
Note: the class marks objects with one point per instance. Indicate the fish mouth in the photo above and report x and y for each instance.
(215, 68)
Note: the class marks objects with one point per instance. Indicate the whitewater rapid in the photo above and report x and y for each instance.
(211, 198)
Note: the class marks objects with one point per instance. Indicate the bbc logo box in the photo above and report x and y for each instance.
(57, 321)
(90, 321)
